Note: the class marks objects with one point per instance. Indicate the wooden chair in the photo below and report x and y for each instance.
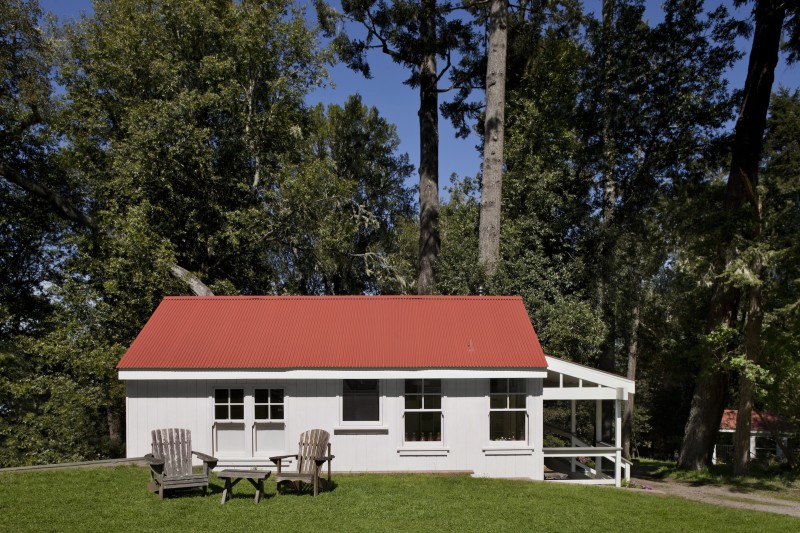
(311, 455)
(171, 462)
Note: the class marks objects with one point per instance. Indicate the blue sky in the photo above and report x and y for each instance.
(398, 103)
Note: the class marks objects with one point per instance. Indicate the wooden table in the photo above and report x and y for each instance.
(232, 477)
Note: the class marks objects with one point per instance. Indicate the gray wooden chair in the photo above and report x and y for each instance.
(171, 462)
(314, 450)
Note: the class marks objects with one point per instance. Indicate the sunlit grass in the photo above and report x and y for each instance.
(115, 499)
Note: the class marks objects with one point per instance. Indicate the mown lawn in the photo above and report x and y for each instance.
(115, 499)
(767, 479)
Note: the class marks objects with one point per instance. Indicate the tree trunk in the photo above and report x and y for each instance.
(114, 420)
(752, 351)
(633, 356)
(709, 395)
(494, 125)
(429, 151)
(609, 199)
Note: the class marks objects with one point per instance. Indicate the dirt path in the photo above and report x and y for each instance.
(726, 496)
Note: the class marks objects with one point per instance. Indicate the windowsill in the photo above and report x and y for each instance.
(510, 448)
(427, 450)
(360, 430)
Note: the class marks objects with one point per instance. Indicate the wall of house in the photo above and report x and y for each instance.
(465, 443)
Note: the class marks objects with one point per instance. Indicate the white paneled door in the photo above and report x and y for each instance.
(249, 421)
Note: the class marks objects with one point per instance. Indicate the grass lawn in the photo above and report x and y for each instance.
(768, 480)
(115, 499)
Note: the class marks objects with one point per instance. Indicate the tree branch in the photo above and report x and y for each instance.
(445, 69)
(384, 43)
(65, 210)
(62, 208)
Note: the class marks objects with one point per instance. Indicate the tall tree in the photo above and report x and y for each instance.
(781, 248)
(494, 137)
(742, 205)
(415, 34)
(346, 206)
(177, 120)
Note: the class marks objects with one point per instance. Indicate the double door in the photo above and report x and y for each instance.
(249, 421)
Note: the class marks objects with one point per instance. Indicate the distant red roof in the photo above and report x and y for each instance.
(291, 332)
(758, 422)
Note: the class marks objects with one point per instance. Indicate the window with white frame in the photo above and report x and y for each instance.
(228, 404)
(423, 410)
(269, 406)
(360, 400)
(507, 409)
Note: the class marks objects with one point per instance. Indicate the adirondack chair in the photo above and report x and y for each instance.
(171, 462)
(311, 455)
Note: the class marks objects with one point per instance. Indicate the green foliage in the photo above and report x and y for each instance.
(457, 270)
(182, 139)
(781, 196)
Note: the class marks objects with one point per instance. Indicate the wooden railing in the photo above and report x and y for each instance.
(579, 449)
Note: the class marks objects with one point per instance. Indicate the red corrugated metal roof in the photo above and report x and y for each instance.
(758, 422)
(286, 332)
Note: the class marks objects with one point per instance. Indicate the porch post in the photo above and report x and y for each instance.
(617, 444)
(598, 436)
(573, 426)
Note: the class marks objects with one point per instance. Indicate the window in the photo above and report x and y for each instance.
(507, 402)
(423, 410)
(360, 400)
(229, 404)
(268, 404)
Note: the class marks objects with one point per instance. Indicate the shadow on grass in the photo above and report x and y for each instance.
(763, 477)
(304, 489)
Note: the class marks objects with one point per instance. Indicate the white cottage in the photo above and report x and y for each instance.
(402, 383)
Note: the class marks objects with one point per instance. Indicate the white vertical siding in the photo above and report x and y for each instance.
(316, 404)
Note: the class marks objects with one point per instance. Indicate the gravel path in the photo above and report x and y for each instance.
(726, 496)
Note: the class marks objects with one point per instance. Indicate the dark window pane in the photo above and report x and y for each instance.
(360, 402)
(276, 396)
(262, 412)
(516, 385)
(262, 395)
(277, 412)
(497, 402)
(221, 396)
(507, 425)
(423, 427)
(413, 402)
(237, 412)
(516, 401)
(237, 395)
(433, 386)
(433, 402)
(497, 386)
(221, 412)
(413, 386)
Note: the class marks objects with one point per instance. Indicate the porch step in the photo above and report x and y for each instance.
(557, 469)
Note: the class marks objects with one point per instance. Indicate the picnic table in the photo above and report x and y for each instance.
(232, 477)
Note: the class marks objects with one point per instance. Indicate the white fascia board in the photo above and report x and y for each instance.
(583, 393)
(339, 373)
(590, 374)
